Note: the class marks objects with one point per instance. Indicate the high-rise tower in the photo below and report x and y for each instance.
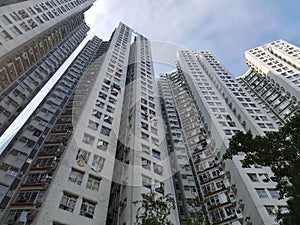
(85, 157)
(273, 78)
(224, 106)
(106, 133)
(30, 161)
(141, 147)
(36, 37)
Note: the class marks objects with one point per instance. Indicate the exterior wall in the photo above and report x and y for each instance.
(142, 146)
(207, 179)
(15, 98)
(273, 78)
(97, 142)
(36, 38)
(178, 153)
(24, 21)
(30, 162)
(89, 141)
(8, 2)
(227, 107)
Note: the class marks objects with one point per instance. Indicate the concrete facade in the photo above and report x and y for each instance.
(143, 160)
(36, 39)
(224, 107)
(107, 132)
(273, 78)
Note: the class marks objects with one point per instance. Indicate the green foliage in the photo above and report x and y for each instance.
(198, 217)
(281, 152)
(154, 210)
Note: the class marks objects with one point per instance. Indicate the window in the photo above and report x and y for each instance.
(87, 208)
(31, 23)
(159, 187)
(5, 19)
(271, 209)
(30, 196)
(56, 138)
(15, 16)
(262, 193)
(98, 163)
(144, 101)
(96, 114)
(104, 88)
(76, 176)
(93, 125)
(145, 136)
(228, 132)
(5, 35)
(146, 149)
(153, 130)
(99, 104)
(16, 214)
(157, 169)
(88, 139)
(274, 193)
(114, 93)
(108, 119)
(144, 117)
(44, 162)
(153, 122)
(110, 109)
(156, 154)
(93, 183)
(155, 141)
(15, 30)
(105, 131)
(35, 178)
(283, 209)
(102, 145)
(102, 95)
(82, 155)
(262, 125)
(144, 125)
(150, 98)
(264, 177)
(24, 26)
(253, 177)
(146, 164)
(58, 223)
(39, 20)
(146, 182)
(151, 105)
(68, 202)
(112, 100)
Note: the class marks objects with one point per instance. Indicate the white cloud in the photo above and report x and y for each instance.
(225, 27)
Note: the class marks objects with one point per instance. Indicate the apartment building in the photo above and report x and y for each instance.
(199, 174)
(141, 149)
(107, 132)
(224, 107)
(36, 37)
(273, 78)
(30, 161)
(67, 170)
(185, 188)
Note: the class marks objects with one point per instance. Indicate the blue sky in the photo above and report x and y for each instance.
(227, 28)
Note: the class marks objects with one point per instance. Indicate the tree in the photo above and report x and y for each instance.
(154, 210)
(199, 216)
(281, 152)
